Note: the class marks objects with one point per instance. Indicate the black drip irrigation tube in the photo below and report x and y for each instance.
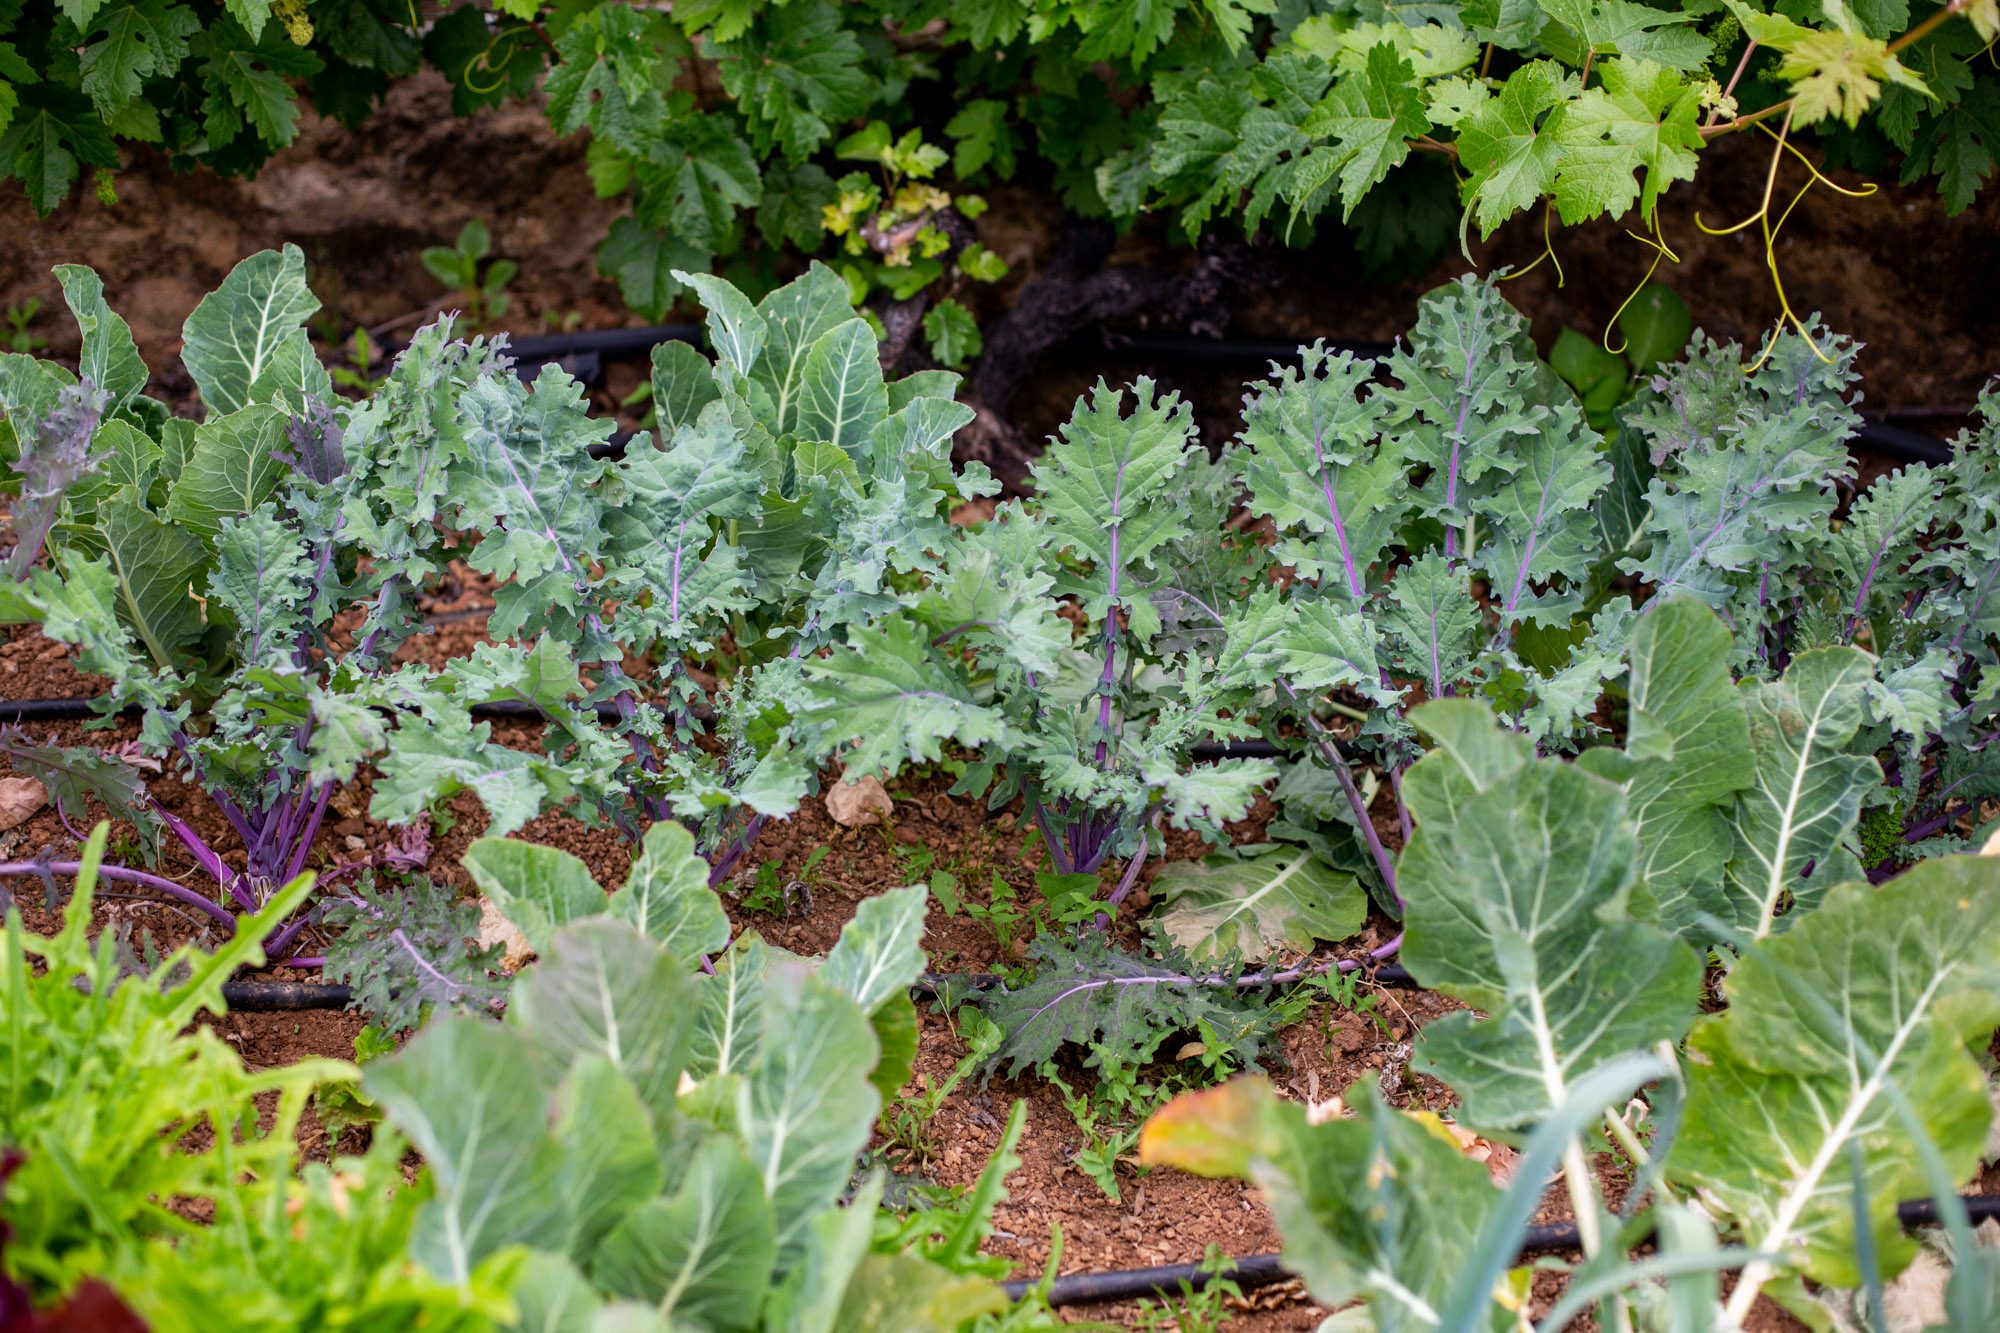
(1261, 1270)
(278, 996)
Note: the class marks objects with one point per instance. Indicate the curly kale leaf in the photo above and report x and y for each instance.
(410, 949)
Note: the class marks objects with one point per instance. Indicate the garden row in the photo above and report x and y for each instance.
(1607, 690)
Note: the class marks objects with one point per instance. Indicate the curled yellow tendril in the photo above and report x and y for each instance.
(1762, 217)
(1548, 252)
(1657, 242)
(484, 60)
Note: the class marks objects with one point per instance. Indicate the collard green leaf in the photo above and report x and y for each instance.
(154, 565)
(468, 1095)
(234, 468)
(729, 1018)
(246, 342)
(1247, 904)
(540, 889)
(601, 988)
(841, 395)
(667, 898)
(1807, 791)
(702, 1255)
(1377, 1206)
(796, 317)
(1877, 986)
(110, 359)
(610, 1165)
(1690, 739)
(683, 384)
(880, 954)
(1515, 890)
(806, 1107)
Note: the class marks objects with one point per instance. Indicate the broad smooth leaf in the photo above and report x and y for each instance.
(729, 1023)
(1378, 1206)
(1876, 986)
(601, 988)
(1516, 903)
(702, 1255)
(246, 342)
(1689, 740)
(109, 359)
(807, 1107)
(1807, 791)
(666, 895)
(234, 468)
(880, 952)
(468, 1096)
(1247, 906)
(540, 889)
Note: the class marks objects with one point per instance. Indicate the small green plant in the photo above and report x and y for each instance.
(361, 354)
(767, 892)
(342, 1104)
(907, 1122)
(458, 267)
(1200, 1309)
(19, 340)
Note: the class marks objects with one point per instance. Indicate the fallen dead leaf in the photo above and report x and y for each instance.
(495, 928)
(20, 798)
(859, 804)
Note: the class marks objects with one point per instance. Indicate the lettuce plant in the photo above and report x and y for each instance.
(119, 1104)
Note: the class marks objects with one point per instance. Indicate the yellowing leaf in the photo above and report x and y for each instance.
(1840, 74)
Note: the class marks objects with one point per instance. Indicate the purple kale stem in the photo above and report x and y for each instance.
(317, 960)
(281, 940)
(1861, 596)
(1125, 884)
(737, 847)
(221, 798)
(303, 847)
(179, 892)
(1058, 850)
(950, 634)
(1383, 861)
(205, 856)
(1333, 503)
(1457, 439)
(1402, 811)
(1301, 973)
(1930, 826)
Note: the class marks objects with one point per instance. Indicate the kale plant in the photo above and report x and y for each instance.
(246, 583)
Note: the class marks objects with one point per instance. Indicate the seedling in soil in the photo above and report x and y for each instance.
(19, 340)
(907, 1123)
(457, 266)
(1202, 1309)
